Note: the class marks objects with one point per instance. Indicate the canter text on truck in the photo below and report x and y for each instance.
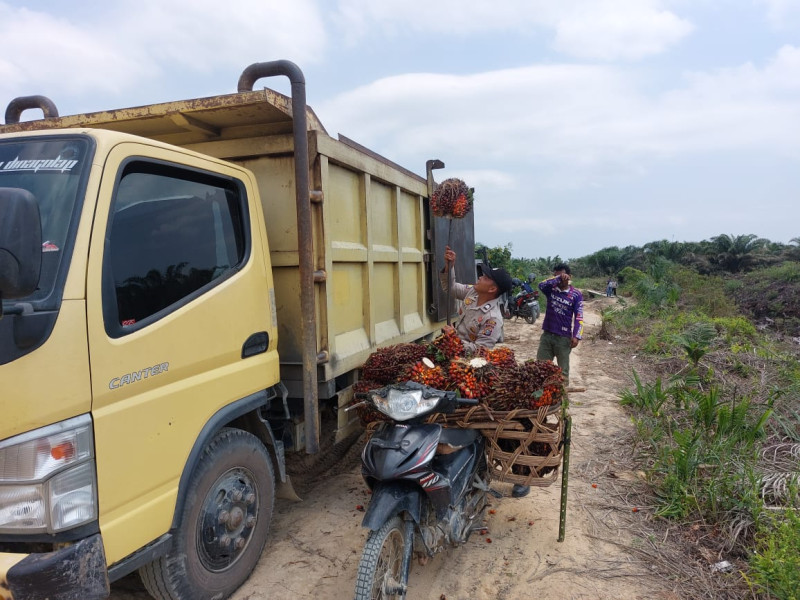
(135, 376)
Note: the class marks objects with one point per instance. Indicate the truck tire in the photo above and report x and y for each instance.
(381, 566)
(224, 522)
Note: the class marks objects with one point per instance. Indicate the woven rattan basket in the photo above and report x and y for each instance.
(523, 446)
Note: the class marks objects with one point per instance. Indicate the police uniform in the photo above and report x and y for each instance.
(477, 324)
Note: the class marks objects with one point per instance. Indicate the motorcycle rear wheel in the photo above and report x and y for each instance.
(381, 566)
(529, 316)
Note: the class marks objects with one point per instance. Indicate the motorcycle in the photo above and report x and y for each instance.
(429, 486)
(523, 304)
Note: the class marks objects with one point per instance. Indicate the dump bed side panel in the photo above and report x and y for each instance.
(370, 251)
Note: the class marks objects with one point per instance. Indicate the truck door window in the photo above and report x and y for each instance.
(174, 234)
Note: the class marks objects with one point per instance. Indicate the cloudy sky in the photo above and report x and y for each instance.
(582, 124)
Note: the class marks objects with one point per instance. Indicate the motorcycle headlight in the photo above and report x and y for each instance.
(404, 403)
(48, 481)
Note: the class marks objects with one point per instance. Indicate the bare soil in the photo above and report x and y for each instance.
(316, 544)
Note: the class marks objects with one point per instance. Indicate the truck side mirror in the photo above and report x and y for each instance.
(20, 243)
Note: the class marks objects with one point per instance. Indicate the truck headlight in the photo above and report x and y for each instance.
(48, 481)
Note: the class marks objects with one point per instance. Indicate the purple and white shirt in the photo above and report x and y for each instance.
(564, 314)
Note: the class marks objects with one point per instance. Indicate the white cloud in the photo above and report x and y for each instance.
(783, 14)
(120, 47)
(458, 18)
(741, 107)
(594, 29)
(50, 51)
(619, 29)
(595, 141)
(200, 36)
(540, 110)
(596, 122)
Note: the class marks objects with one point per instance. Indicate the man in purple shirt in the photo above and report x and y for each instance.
(562, 328)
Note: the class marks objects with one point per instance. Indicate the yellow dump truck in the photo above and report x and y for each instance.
(188, 290)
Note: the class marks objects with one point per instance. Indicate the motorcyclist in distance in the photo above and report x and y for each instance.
(527, 285)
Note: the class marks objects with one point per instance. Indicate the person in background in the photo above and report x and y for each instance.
(562, 328)
(480, 320)
(609, 288)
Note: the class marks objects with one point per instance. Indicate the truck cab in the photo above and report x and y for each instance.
(148, 328)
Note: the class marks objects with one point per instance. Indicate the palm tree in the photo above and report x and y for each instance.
(607, 261)
(736, 252)
(793, 249)
(673, 251)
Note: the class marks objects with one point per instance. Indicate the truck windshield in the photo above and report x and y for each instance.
(52, 169)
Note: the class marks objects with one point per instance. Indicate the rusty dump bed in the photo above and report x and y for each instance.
(182, 123)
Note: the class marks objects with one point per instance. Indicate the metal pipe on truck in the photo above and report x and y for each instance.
(305, 250)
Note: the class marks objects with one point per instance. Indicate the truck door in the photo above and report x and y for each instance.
(177, 285)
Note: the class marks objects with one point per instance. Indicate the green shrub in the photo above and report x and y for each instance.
(788, 272)
(775, 565)
(647, 396)
(737, 330)
(629, 277)
(701, 446)
(695, 340)
(656, 294)
(704, 293)
(733, 285)
(773, 293)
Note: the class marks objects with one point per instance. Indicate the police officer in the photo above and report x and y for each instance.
(480, 320)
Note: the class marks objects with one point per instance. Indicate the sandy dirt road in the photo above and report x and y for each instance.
(315, 545)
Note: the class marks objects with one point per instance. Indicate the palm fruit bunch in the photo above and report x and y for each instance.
(461, 378)
(486, 374)
(551, 394)
(427, 373)
(472, 378)
(387, 365)
(452, 198)
(546, 372)
(529, 385)
(447, 346)
(501, 356)
(366, 413)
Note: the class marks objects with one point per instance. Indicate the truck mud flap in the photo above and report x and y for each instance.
(286, 491)
(77, 572)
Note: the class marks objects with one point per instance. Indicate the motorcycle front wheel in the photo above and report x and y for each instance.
(381, 568)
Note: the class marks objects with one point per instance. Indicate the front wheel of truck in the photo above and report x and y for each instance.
(224, 523)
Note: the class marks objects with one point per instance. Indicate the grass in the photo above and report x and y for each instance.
(776, 559)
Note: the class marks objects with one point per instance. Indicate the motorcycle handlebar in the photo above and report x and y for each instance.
(470, 401)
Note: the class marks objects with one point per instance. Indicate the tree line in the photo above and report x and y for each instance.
(722, 254)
